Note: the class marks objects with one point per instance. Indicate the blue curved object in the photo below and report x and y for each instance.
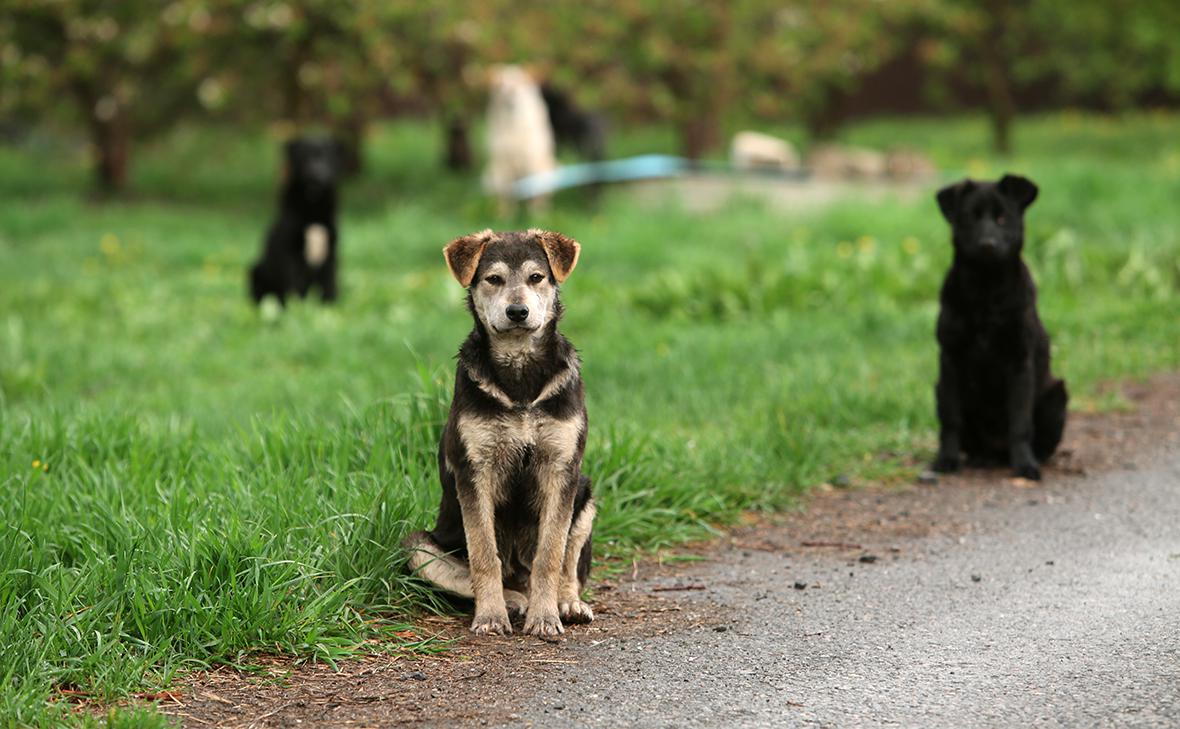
(643, 167)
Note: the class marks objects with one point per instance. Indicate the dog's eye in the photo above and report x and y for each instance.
(536, 278)
(494, 280)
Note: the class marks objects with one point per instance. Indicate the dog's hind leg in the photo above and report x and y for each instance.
(1049, 419)
(516, 602)
(444, 570)
(575, 568)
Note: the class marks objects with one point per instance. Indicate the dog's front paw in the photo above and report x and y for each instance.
(575, 611)
(945, 463)
(492, 624)
(544, 625)
(1030, 471)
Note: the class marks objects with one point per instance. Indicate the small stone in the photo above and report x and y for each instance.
(976, 578)
(721, 629)
(928, 478)
(841, 481)
(800, 585)
(415, 676)
(868, 558)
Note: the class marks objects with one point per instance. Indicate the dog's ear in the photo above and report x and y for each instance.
(1019, 189)
(463, 255)
(949, 197)
(562, 252)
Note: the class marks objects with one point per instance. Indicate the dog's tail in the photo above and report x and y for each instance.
(1049, 414)
(442, 569)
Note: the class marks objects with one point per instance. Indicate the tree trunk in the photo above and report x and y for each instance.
(458, 145)
(351, 134)
(699, 134)
(112, 149)
(998, 77)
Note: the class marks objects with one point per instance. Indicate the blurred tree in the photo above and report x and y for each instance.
(128, 68)
(1111, 53)
(982, 41)
(307, 65)
(799, 59)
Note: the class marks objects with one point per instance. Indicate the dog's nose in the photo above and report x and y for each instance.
(517, 312)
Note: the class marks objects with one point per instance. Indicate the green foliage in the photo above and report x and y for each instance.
(133, 69)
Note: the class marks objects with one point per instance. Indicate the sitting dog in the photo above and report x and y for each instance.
(300, 249)
(520, 140)
(513, 529)
(997, 399)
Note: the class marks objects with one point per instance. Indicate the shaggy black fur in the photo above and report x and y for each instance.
(308, 199)
(574, 127)
(997, 398)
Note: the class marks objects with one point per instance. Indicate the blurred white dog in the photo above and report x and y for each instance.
(520, 139)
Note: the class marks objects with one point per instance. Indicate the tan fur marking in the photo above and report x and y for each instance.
(557, 384)
(497, 442)
(463, 254)
(315, 244)
(487, 577)
(444, 570)
(569, 599)
(491, 390)
(543, 616)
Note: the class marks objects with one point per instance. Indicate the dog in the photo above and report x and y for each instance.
(520, 139)
(574, 127)
(300, 247)
(997, 397)
(514, 525)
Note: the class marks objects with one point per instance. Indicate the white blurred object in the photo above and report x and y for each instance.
(757, 151)
(520, 140)
(837, 162)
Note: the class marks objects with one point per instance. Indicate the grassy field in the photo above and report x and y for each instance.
(186, 482)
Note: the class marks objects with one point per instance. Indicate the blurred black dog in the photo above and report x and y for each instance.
(300, 248)
(997, 399)
(582, 131)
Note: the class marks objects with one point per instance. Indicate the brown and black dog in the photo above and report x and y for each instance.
(514, 526)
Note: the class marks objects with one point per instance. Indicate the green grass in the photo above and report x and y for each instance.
(214, 484)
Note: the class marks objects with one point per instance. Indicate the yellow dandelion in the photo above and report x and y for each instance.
(45, 467)
(844, 249)
(109, 243)
(977, 167)
(36, 463)
(911, 245)
(866, 243)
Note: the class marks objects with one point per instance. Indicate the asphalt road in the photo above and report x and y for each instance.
(1058, 606)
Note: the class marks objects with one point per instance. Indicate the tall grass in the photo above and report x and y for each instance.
(187, 483)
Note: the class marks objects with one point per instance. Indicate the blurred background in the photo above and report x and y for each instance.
(122, 75)
(187, 480)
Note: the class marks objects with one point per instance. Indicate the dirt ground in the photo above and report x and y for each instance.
(487, 680)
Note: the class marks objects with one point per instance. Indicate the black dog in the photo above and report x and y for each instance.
(300, 248)
(574, 127)
(997, 399)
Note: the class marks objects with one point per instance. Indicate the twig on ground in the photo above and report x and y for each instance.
(677, 588)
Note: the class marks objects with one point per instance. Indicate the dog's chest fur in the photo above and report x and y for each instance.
(512, 439)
